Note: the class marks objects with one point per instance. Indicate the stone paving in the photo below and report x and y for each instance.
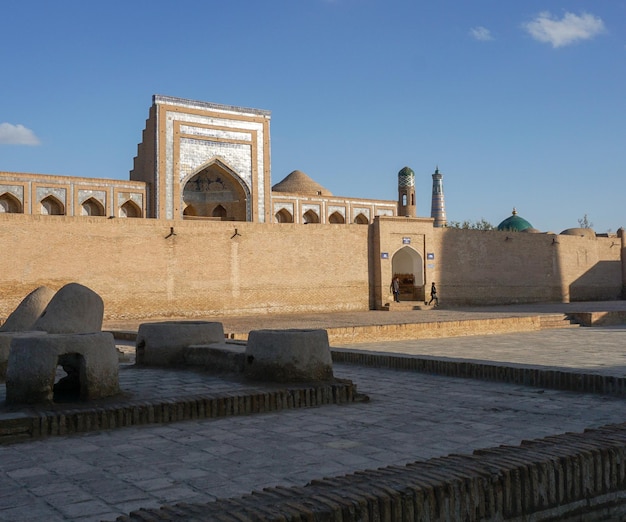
(410, 416)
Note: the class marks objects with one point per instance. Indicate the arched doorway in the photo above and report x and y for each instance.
(51, 206)
(130, 210)
(360, 219)
(310, 216)
(336, 218)
(10, 204)
(283, 216)
(215, 193)
(92, 207)
(408, 265)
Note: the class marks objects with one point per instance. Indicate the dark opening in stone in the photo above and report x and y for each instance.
(68, 387)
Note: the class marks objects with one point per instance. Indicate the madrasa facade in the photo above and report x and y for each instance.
(199, 229)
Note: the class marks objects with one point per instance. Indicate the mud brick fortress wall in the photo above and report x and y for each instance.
(202, 269)
(151, 267)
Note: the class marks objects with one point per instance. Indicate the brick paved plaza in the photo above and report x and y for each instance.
(410, 416)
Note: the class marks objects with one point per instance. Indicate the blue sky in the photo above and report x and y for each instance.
(520, 104)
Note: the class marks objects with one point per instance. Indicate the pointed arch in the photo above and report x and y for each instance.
(215, 185)
(361, 219)
(283, 216)
(408, 265)
(310, 216)
(51, 206)
(92, 207)
(10, 204)
(190, 210)
(336, 218)
(219, 212)
(130, 209)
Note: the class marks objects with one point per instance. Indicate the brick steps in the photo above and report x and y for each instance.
(557, 321)
(404, 306)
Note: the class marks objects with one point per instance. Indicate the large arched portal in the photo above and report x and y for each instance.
(215, 193)
(408, 266)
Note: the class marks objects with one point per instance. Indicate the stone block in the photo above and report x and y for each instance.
(218, 357)
(73, 309)
(5, 347)
(163, 343)
(28, 311)
(90, 361)
(295, 355)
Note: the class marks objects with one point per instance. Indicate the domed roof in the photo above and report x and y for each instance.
(299, 183)
(406, 171)
(585, 232)
(514, 223)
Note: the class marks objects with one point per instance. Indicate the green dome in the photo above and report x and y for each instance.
(514, 223)
(406, 178)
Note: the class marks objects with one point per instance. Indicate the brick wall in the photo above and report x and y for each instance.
(516, 267)
(200, 270)
(204, 268)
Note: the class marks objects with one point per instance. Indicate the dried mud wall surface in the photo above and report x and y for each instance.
(490, 267)
(159, 268)
(149, 268)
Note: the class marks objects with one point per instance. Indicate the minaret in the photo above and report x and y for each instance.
(406, 193)
(438, 208)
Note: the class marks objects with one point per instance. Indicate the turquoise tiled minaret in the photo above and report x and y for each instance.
(438, 207)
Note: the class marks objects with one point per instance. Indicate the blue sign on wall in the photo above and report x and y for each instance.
(430, 255)
(406, 240)
(384, 255)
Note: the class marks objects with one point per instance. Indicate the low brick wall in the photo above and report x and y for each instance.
(611, 318)
(21, 425)
(578, 477)
(434, 330)
(526, 376)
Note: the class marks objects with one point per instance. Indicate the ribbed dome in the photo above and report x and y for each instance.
(299, 183)
(514, 223)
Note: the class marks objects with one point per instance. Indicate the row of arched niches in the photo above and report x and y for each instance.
(53, 206)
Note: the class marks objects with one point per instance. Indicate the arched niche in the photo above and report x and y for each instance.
(92, 207)
(10, 204)
(130, 210)
(310, 216)
(216, 192)
(190, 210)
(219, 212)
(336, 218)
(51, 206)
(283, 216)
(360, 219)
(408, 265)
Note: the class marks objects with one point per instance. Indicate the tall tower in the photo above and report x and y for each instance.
(438, 207)
(406, 193)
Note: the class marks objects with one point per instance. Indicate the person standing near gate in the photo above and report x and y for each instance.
(395, 288)
(433, 294)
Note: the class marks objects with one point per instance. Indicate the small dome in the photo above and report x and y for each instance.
(299, 183)
(515, 223)
(585, 232)
(406, 177)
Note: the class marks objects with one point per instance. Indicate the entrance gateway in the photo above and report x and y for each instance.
(408, 265)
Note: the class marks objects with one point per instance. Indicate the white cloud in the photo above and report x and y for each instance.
(481, 33)
(17, 135)
(568, 30)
